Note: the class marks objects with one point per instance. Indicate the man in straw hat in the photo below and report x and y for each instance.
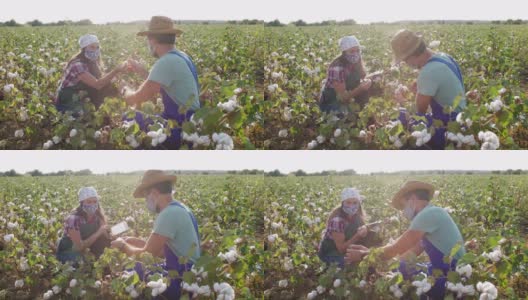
(174, 76)
(175, 235)
(439, 85)
(431, 230)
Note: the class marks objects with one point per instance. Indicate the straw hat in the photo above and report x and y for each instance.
(398, 201)
(150, 178)
(404, 43)
(161, 25)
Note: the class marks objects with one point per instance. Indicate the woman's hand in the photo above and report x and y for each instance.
(362, 231)
(104, 230)
(118, 243)
(355, 253)
(365, 85)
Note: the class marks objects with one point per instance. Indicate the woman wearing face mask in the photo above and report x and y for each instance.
(83, 73)
(85, 228)
(345, 227)
(345, 82)
(431, 230)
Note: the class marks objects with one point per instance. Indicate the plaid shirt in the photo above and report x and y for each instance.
(75, 221)
(72, 72)
(337, 224)
(337, 73)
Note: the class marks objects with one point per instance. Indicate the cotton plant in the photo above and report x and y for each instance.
(230, 256)
(487, 290)
(223, 141)
(489, 140)
(496, 105)
(230, 105)
(224, 291)
(460, 289)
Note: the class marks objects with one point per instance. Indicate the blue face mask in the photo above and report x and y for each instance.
(151, 205)
(353, 58)
(92, 54)
(350, 210)
(408, 211)
(90, 208)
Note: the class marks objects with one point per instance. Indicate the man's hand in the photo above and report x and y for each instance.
(355, 253)
(135, 66)
(118, 243)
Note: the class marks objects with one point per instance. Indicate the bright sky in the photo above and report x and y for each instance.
(285, 161)
(101, 11)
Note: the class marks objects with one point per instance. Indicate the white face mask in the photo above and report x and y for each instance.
(151, 204)
(408, 211)
(152, 49)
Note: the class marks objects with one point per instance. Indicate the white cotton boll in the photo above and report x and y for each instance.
(337, 132)
(502, 91)
(283, 283)
(47, 145)
(337, 283)
(56, 289)
(23, 115)
(283, 133)
(362, 284)
(496, 105)
(97, 134)
(134, 294)
(320, 289)
(469, 123)
(23, 266)
(19, 133)
(276, 75)
(73, 283)
(288, 265)
(311, 295)
(273, 87)
(312, 145)
(487, 290)
(272, 237)
(97, 284)
(434, 44)
(321, 139)
(228, 106)
(8, 237)
(47, 295)
(490, 140)
(56, 139)
(464, 270)
(237, 91)
(8, 88)
(286, 115)
(73, 132)
(12, 75)
(19, 283)
(362, 134)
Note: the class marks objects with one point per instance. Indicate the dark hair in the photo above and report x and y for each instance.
(163, 187)
(99, 212)
(94, 67)
(421, 49)
(420, 194)
(167, 39)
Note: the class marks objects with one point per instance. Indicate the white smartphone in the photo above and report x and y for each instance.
(119, 228)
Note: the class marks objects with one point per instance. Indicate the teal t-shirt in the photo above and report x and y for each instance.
(175, 223)
(440, 82)
(439, 228)
(175, 77)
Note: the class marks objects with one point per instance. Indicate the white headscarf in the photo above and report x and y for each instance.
(349, 193)
(87, 193)
(87, 39)
(348, 42)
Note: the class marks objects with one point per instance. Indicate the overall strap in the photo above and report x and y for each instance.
(193, 218)
(190, 64)
(452, 65)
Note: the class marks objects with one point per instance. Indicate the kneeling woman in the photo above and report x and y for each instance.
(345, 227)
(344, 81)
(83, 73)
(85, 228)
